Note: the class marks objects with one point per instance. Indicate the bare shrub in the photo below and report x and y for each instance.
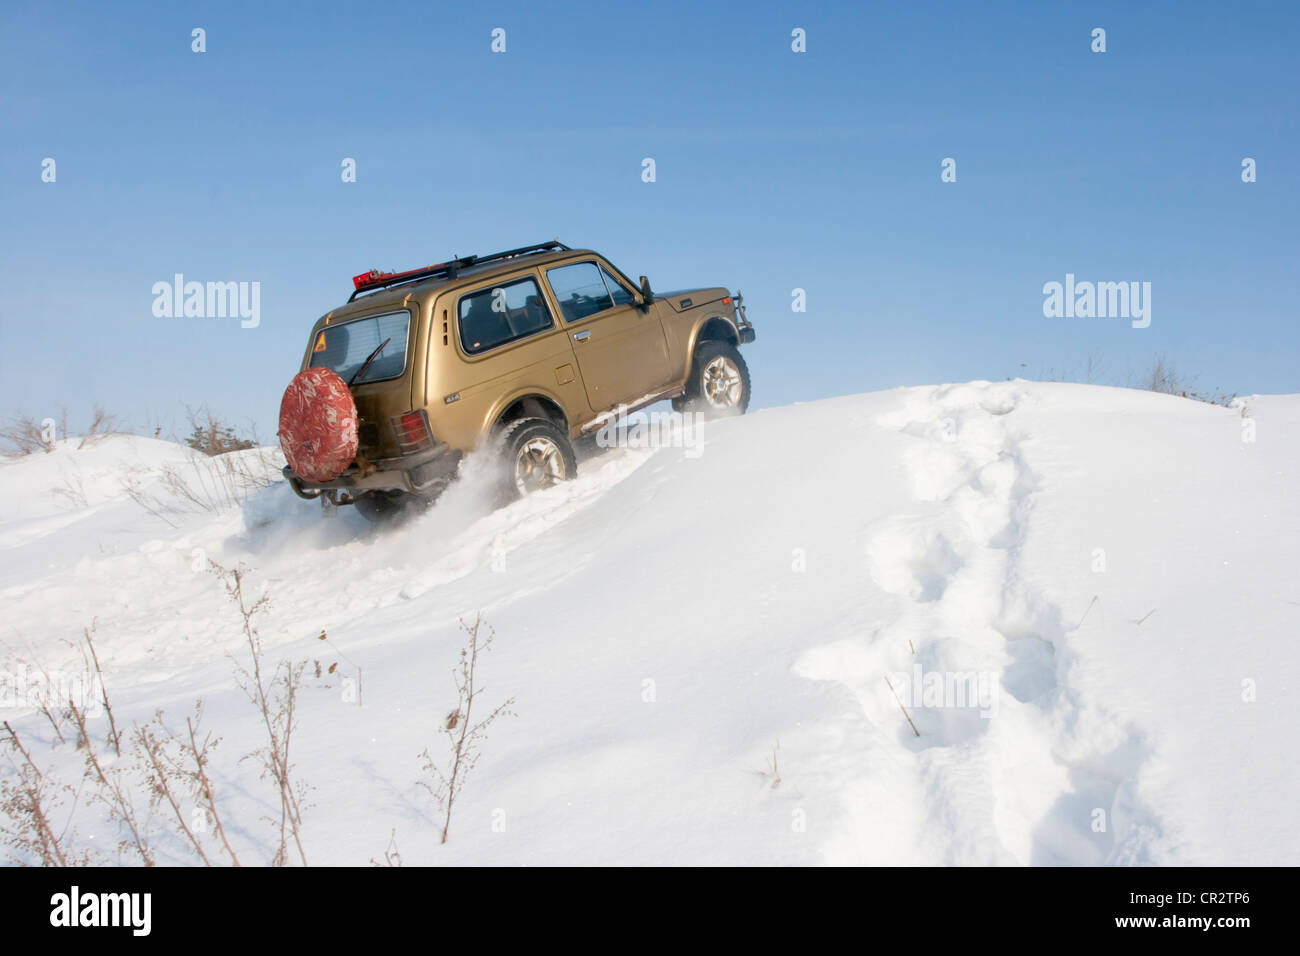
(203, 485)
(275, 697)
(215, 484)
(26, 802)
(212, 436)
(73, 490)
(48, 706)
(110, 790)
(173, 767)
(114, 737)
(23, 435)
(176, 767)
(200, 782)
(165, 778)
(101, 426)
(392, 858)
(1164, 377)
(133, 485)
(1095, 368)
(464, 736)
(29, 800)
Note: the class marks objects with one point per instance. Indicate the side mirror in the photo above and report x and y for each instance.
(646, 295)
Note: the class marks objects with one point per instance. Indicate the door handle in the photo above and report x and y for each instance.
(582, 336)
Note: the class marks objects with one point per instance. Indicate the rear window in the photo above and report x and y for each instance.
(346, 346)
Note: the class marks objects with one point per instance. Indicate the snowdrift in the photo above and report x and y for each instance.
(1006, 623)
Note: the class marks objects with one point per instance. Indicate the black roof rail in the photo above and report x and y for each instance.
(374, 279)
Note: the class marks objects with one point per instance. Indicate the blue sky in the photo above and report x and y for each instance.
(775, 171)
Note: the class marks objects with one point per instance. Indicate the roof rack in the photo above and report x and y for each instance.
(374, 279)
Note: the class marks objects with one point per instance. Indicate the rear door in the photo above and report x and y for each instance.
(620, 348)
(383, 390)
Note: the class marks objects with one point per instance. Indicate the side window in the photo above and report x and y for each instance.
(501, 314)
(616, 289)
(580, 290)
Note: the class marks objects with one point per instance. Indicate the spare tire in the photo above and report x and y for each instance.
(318, 425)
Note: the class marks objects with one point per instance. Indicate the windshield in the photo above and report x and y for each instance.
(344, 348)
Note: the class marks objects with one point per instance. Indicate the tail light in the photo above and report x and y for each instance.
(413, 433)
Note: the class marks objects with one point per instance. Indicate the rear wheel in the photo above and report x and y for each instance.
(719, 382)
(534, 455)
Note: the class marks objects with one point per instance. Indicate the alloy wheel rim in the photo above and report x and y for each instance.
(722, 383)
(538, 465)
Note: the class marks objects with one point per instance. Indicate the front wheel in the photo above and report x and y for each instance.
(719, 382)
(534, 455)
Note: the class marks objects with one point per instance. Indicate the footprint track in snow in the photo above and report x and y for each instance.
(1028, 794)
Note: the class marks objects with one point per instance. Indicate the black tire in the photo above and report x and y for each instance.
(550, 459)
(696, 398)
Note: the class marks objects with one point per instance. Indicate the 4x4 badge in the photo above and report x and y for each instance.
(451, 398)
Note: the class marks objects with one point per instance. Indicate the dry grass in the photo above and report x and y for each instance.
(275, 696)
(101, 426)
(1164, 377)
(176, 766)
(110, 790)
(23, 435)
(392, 857)
(73, 490)
(172, 768)
(202, 485)
(771, 774)
(464, 735)
(29, 802)
(1161, 376)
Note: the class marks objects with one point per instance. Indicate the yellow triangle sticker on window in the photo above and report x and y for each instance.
(320, 344)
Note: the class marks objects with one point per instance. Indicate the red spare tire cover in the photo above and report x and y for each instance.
(318, 425)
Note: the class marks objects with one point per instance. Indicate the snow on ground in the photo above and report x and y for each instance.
(1084, 599)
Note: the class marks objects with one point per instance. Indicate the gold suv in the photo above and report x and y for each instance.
(528, 350)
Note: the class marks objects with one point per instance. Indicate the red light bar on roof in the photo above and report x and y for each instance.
(375, 277)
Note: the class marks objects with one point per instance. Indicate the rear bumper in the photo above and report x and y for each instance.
(413, 474)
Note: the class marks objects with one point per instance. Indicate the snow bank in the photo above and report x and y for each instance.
(1002, 623)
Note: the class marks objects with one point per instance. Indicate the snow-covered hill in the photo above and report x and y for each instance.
(1084, 600)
